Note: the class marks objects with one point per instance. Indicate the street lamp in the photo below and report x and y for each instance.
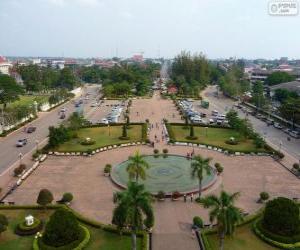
(20, 157)
(280, 145)
(37, 144)
(206, 128)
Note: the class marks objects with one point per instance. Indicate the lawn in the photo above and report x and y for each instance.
(215, 137)
(243, 238)
(102, 136)
(26, 100)
(100, 239)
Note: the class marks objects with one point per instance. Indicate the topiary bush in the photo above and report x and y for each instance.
(281, 217)
(62, 229)
(67, 197)
(198, 222)
(219, 168)
(296, 166)
(264, 196)
(161, 195)
(107, 168)
(19, 170)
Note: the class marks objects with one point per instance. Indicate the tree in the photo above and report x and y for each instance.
(224, 212)
(45, 197)
(199, 166)
(258, 94)
(290, 110)
(192, 132)
(67, 78)
(58, 135)
(133, 205)
(279, 77)
(124, 132)
(9, 90)
(282, 95)
(136, 167)
(3, 223)
(62, 229)
(281, 217)
(76, 121)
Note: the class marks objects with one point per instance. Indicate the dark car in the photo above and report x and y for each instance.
(62, 116)
(31, 129)
(21, 142)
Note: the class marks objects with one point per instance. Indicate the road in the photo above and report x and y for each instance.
(9, 153)
(272, 135)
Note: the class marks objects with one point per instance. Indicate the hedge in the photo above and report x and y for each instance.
(280, 245)
(39, 245)
(23, 230)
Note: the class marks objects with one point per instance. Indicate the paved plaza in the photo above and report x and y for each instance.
(83, 176)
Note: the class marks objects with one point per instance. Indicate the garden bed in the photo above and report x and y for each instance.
(102, 237)
(103, 136)
(213, 136)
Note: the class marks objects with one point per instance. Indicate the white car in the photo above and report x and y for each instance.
(277, 125)
(63, 109)
(94, 104)
(104, 120)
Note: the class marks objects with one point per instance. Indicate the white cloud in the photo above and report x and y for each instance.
(80, 2)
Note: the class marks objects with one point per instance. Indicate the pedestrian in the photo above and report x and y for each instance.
(184, 197)
(193, 233)
(192, 197)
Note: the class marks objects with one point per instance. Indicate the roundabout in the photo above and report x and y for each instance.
(168, 174)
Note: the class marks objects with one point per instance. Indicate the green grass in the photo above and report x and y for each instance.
(101, 137)
(26, 100)
(243, 239)
(100, 239)
(215, 137)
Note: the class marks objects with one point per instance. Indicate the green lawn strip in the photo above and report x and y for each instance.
(101, 137)
(215, 137)
(100, 239)
(243, 238)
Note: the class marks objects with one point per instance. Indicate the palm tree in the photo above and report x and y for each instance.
(199, 165)
(133, 205)
(136, 167)
(224, 212)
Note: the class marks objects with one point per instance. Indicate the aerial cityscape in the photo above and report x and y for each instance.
(140, 125)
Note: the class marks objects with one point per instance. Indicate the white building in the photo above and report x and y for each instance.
(4, 65)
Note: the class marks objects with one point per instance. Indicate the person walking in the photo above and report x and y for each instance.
(192, 197)
(184, 197)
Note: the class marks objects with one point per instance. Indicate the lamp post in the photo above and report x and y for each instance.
(37, 144)
(280, 145)
(20, 157)
(206, 128)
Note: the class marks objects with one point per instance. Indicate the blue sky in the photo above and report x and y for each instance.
(104, 28)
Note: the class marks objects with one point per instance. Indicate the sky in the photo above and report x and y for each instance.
(158, 28)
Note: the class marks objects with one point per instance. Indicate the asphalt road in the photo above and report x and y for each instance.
(273, 135)
(9, 153)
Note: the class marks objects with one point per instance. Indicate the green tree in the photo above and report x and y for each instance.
(67, 197)
(9, 90)
(3, 223)
(76, 121)
(200, 166)
(279, 77)
(136, 167)
(58, 135)
(124, 132)
(258, 94)
(290, 110)
(45, 197)
(133, 210)
(67, 78)
(224, 212)
(62, 229)
(282, 95)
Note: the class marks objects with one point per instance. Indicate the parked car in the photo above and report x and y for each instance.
(104, 120)
(62, 116)
(277, 125)
(294, 134)
(287, 130)
(63, 109)
(30, 129)
(270, 122)
(211, 121)
(21, 142)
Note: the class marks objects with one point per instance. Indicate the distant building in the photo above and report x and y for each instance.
(291, 86)
(138, 58)
(36, 61)
(105, 63)
(262, 74)
(5, 66)
(172, 90)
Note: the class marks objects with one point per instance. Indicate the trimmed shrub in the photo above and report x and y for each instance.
(19, 170)
(156, 151)
(161, 195)
(165, 151)
(219, 168)
(264, 196)
(87, 142)
(296, 166)
(45, 197)
(62, 229)
(281, 217)
(67, 197)
(23, 230)
(107, 168)
(198, 222)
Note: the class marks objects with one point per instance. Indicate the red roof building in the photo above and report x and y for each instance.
(172, 90)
